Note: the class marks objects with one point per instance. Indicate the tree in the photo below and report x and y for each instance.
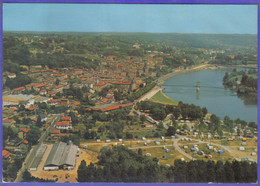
(39, 121)
(158, 113)
(228, 123)
(192, 172)
(142, 118)
(229, 173)
(185, 127)
(220, 172)
(171, 131)
(160, 126)
(33, 135)
(57, 82)
(131, 172)
(140, 152)
(237, 169)
(80, 128)
(204, 111)
(180, 171)
(252, 125)
(82, 171)
(129, 135)
(211, 175)
(214, 123)
(27, 177)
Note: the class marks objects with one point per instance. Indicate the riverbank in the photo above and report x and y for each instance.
(239, 66)
(160, 97)
(161, 79)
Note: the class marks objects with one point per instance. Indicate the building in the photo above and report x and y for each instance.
(18, 90)
(132, 86)
(66, 118)
(11, 75)
(62, 156)
(6, 154)
(15, 100)
(8, 122)
(38, 157)
(63, 125)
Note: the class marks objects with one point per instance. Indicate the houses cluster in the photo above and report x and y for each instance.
(64, 123)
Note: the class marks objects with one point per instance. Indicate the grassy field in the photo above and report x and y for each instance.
(158, 152)
(215, 155)
(160, 97)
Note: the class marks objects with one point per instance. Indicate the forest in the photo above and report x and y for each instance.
(245, 83)
(120, 164)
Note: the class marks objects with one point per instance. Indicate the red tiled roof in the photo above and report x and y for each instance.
(25, 129)
(52, 101)
(55, 131)
(50, 93)
(11, 74)
(100, 83)
(6, 153)
(30, 85)
(112, 108)
(76, 103)
(63, 123)
(25, 142)
(122, 82)
(13, 109)
(8, 120)
(40, 85)
(19, 88)
(66, 118)
(32, 108)
(59, 86)
(109, 96)
(59, 75)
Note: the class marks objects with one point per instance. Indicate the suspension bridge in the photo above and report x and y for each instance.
(195, 86)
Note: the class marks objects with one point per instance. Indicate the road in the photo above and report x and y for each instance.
(150, 94)
(30, 156)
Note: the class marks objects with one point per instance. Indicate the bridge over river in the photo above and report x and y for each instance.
(195, 86)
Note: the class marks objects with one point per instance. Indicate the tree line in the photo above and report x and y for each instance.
(159, 111)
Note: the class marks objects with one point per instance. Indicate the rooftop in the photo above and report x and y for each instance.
(62, 154)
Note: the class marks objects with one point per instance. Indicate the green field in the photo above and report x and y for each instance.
(160, 97)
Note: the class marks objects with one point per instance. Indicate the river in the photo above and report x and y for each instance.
(212, 94)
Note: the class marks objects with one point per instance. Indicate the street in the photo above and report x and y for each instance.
(30, 156)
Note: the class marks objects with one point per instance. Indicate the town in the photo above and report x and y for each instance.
(65, 103)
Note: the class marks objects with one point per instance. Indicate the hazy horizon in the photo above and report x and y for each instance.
(112, 32)
(144, 18)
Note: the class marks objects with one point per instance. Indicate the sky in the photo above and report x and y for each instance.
(217, 19)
